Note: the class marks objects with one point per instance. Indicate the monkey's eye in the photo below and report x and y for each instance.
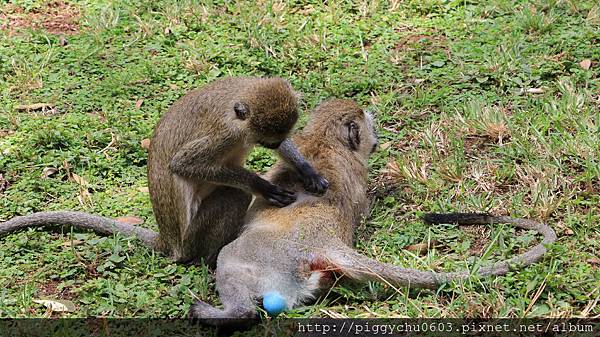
(241, 110)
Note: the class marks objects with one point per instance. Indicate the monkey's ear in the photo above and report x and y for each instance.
(241, 110)
(353, 135)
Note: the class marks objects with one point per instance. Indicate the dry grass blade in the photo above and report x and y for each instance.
(536, 296)
(333, 314)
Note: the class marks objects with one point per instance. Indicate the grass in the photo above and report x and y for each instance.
(481, 106)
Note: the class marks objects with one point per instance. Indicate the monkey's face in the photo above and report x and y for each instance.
(372, 134)
(272, 125)
(267, 128)
(269, 109)
(347, 123)
(360, 134)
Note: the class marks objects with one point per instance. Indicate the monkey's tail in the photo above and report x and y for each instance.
(98, 224)
(360, 267)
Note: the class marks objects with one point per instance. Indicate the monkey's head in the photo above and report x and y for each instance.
(345, 123)
(270, 110)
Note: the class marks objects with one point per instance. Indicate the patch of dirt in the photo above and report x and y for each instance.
(91, 270)
(50, 289)
(4, 183)
(363, 233)
(475, 144)
(481, 238)
(55, 17)
(428, 41)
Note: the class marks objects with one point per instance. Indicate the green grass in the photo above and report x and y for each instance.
(447, 81)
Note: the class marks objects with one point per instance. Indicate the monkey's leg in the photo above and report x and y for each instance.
(237, 298)
(217, 221)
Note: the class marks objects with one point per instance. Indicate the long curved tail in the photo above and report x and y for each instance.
(360, 267)
(98, 224)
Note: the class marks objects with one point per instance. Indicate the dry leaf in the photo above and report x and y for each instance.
(3, 183)
(79, 180)
(57, 305)
(62, 41)
(173, 86)
(392, 172)
(168, 31)
(72, 243)
(84, 196)
(67, 168)
(132, 220)
(419, 248)
(145, 143)
(144, 189)
(4, 132)
(306, 10)
(385, 146)
(497, 131)
(138, 103)
(593, 261)
(569, 231)
(48, 171)
(111, 146)
(535, 91)
(36, 106)
(585, 64)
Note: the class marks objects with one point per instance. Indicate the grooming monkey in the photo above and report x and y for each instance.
(199, 189)
(291, 253)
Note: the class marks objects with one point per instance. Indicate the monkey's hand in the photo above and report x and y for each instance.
(274, 194)
(312, 181)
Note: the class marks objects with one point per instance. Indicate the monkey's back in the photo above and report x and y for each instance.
(306, 218)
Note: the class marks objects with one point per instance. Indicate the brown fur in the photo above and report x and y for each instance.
(201, 199)
(294, 250)
(199, 189)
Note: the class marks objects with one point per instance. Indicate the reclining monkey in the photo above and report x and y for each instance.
(293, 251)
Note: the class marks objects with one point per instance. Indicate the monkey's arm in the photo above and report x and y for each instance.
(312, 181)
(203, 159)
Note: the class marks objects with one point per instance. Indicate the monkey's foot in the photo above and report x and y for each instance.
(204, 313)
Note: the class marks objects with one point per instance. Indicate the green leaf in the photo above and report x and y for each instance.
(438, 64)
